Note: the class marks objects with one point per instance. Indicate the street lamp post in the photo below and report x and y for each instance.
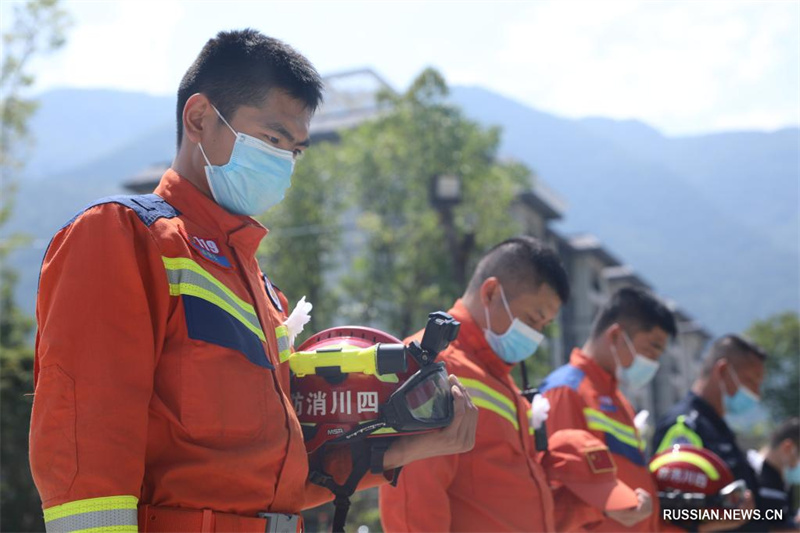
(445, 196)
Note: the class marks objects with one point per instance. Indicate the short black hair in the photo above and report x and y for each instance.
(790, 429)
(636, 309)
(733, 348)
(240, 67)
(522, 262)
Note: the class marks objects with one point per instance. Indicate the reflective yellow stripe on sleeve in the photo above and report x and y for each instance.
(598, 421)
(485, 397)
(284, 346)
(112, 513)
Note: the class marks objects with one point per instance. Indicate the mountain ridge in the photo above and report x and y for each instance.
(669, 206)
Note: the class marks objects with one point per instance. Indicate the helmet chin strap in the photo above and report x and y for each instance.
(366, 456)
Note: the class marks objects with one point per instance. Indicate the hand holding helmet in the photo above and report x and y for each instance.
(458, 437)
(351, 386)
(634, 515)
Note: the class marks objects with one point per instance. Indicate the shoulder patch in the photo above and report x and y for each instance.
(273, 296)
(148, 207)
(565, 376)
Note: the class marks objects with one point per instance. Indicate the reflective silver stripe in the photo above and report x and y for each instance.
(96, 519)
(283, 343)
(486, 401)
(773, 494)
(186, 276)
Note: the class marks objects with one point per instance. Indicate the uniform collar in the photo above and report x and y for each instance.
(603, 381)
(472, 340)
(709, 413)
(770, 476)
(242, 232)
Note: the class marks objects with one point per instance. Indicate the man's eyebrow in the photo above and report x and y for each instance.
(280, 128)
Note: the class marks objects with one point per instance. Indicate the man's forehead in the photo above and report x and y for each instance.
(749, 363)
(655, 334)
(542, 298)
(755, 365)
(278, 107)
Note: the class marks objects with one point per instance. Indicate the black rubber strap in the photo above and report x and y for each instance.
(341, 506)
(377, 453)
(524, 371)
(361, 458)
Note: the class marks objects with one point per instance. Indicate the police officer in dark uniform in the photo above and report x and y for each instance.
(778, 468)
(730, 381)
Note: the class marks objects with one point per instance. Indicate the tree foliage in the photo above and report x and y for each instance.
(419, 251)
(38, 28)
(305, 233)
(779, 335)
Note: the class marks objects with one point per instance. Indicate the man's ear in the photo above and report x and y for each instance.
(613, 332)
(194, 112)
(488, 290)
(721, 374)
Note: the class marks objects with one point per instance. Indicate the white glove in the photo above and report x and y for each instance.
(540, 409)
(299, 317)
(640, 421)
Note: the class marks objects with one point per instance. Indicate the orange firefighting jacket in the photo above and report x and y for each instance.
(498, 486)
(158, 378)
(584, 396)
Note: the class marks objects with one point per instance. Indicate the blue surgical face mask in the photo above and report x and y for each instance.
(742, 401)
(254, 179)
(519, 341)
(792, 475)
(642, 368)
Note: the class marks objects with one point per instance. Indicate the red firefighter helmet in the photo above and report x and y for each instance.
(686, 475)
(351, 383)
(355, 381)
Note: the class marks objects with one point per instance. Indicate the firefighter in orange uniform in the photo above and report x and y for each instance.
(518, 288)
(628, 336)
(161, 403)
(583, 476)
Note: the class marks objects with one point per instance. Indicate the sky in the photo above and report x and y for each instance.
(684, 67)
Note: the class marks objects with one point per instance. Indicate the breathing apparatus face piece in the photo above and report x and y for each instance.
(423, 402)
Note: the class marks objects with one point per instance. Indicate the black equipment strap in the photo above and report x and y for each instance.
(540, 435)
(364, 456)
